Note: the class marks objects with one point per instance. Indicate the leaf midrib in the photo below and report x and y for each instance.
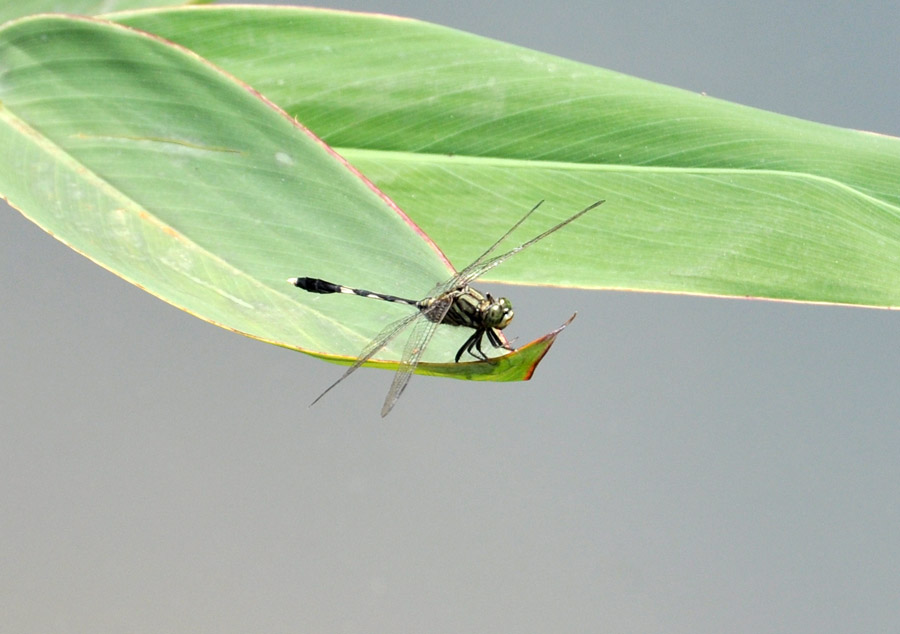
(456, 159)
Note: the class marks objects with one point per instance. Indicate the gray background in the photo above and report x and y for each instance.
(678, 464)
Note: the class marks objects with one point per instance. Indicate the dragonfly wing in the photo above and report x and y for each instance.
(382, 339)
(481, 258)
(422, 333)
(482, 265)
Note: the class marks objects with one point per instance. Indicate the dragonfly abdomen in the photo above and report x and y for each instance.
(315, 285)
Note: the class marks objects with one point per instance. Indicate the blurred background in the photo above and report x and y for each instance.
(677, 464)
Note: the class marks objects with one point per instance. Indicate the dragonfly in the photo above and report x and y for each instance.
(452, 303)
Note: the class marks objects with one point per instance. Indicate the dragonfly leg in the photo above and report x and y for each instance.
(477, 346)
(472, 343)
(494, 337)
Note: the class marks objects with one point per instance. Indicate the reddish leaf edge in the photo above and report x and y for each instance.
(517, 365)
(261, 97)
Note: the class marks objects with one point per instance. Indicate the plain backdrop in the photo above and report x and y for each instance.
(677, 465)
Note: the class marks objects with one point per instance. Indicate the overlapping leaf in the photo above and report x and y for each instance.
(147, 159)
(464, 133)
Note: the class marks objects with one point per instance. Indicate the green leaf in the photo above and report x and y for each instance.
(154, 164)
(12, 9)
(703, 196)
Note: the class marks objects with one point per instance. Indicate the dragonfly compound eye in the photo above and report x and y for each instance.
(499, 314)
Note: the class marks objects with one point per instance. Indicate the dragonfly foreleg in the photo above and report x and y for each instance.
(473, 344)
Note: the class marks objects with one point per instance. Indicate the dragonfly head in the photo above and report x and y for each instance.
(498, 313)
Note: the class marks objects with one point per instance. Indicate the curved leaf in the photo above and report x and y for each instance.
(703, 196)
(153, 163)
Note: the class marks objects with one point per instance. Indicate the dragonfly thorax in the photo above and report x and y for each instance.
(473, 309)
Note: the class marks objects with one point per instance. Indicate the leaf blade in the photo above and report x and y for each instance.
(446, 120)
(178, 179)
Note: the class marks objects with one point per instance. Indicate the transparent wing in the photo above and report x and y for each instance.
(422, 333)
(481, 258)
(382, 339)
(481, 265)
(454, 282)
